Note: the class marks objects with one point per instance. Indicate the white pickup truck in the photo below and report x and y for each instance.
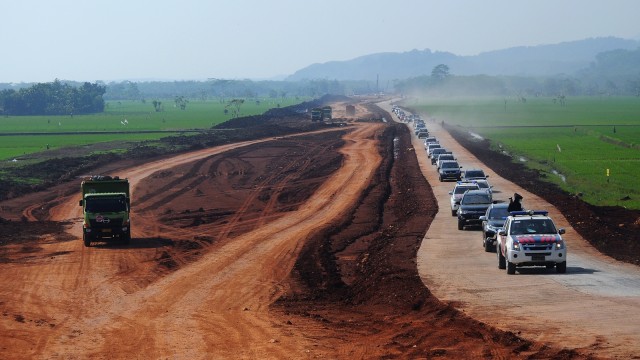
(530, 238)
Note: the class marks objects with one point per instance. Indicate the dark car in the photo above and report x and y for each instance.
(473, 174)
(473, 205)
(449, 170)
(492, 221)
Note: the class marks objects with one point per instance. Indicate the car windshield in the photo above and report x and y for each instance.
(483, 185)
(500, 213)
(445, 157)
(449, 165)
(533, 226)
(476, 199)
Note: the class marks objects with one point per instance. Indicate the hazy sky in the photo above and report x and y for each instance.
(89, 40)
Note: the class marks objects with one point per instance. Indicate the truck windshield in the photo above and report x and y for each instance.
(106, 204)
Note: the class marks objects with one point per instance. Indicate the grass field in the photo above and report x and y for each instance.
(576, 144)
(120, 116)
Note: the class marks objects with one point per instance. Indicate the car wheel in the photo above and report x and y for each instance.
(86, 240)
(501, 260)
(550, 266)
(487, 245)
(511, 268)
(561, 268)
(454, 212)
(460, 224)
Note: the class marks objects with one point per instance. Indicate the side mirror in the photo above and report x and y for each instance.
(561, 231)
(450, 193)
(483, 218)
(486, 176)
(502, 232)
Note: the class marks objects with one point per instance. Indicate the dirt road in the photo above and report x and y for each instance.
(94, 302)
(595, 306)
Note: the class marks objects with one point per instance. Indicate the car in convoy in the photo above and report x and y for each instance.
(443, 157)
(457, 192)
(484, 185)
(530, 238)
(474, 174)
(493, 221)
(435, 153)
(430, 140)
(431, 146)
(472, 205)
(449, 170)
(423, 134)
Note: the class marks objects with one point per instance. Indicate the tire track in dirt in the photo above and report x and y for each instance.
(226, 294)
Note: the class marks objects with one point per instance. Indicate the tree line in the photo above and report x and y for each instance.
(54, 98)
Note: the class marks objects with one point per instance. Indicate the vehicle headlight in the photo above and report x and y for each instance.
(559, 245)
(516, 246)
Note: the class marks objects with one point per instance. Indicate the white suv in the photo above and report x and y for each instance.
(530, 238)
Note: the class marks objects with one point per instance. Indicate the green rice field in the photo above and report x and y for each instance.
(24, 135)
(588, 146)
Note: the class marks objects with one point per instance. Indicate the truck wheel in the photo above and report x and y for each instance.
(511, 268)
(561, 268)
(126, 239)
(460, 224)
(501, 260)
(86, 240)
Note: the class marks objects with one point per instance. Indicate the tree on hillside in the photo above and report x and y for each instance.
(440, 72)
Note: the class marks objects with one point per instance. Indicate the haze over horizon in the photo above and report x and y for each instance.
(198, 39)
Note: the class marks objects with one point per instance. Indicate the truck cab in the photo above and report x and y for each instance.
(530, 238)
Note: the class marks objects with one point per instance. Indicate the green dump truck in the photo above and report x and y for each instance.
(327, 113)
(316, 114)
(106, 204)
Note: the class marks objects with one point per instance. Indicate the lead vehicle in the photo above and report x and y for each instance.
(530, 238)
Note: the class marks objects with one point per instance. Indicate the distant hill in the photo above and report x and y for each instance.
(542, 60)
